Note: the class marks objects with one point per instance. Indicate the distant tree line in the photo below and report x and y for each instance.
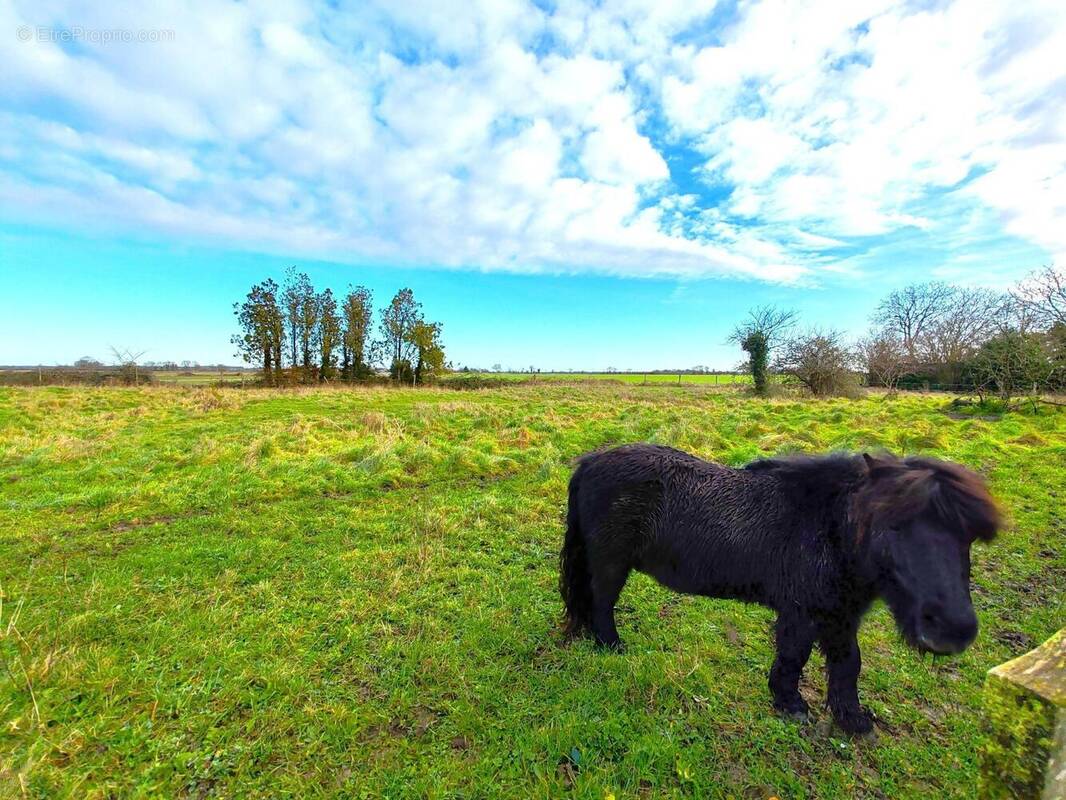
(296, 334)
(931, 334)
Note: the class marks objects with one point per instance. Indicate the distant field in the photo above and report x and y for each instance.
(720, 378)
(352, 593)
(203, 377)
(50, 376)
(31, 377)
(208, 378)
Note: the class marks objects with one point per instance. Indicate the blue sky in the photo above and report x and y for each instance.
(564, 185)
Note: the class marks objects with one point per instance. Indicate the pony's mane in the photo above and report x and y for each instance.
(821, 474)
(890, 491)
(900, 489)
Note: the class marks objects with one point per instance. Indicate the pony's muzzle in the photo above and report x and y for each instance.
(946, 632)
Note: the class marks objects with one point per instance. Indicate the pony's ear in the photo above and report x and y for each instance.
(877, 467)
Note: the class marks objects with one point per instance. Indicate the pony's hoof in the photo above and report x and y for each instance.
(796, 711)
(614, 646)
(855, 723)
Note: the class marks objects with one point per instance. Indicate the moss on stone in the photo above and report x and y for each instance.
(1025, 700)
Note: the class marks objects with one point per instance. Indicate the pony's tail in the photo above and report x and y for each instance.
(574, 578)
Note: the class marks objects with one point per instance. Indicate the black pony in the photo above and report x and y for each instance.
(817, 539)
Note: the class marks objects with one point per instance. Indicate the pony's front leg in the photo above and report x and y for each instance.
(843, 663)
(795, 638)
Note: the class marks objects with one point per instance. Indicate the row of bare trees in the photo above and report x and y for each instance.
(934, 333)
(296, 334)
(1001, 343)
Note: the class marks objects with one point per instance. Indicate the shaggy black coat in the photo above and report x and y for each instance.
(798, 535)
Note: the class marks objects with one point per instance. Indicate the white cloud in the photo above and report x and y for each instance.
(843, 117)
(499, 135)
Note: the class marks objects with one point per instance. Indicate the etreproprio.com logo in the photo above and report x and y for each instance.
(77, 33)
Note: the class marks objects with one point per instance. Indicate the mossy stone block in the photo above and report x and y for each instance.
(1024, 755)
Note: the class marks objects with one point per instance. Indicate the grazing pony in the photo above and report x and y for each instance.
(816, 539)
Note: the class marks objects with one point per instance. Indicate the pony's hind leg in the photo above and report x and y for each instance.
(607, 584)
(619, 538)
(795, 638)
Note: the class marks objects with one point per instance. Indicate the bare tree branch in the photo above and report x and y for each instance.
(770, 321)
(882, 355)
(909, 312)
(1043, 295)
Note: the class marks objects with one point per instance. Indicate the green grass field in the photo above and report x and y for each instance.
(352, 593)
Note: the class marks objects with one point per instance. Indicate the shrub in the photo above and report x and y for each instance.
(472, 381)
(400, 370)
(1009, 364)
(820, 362)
